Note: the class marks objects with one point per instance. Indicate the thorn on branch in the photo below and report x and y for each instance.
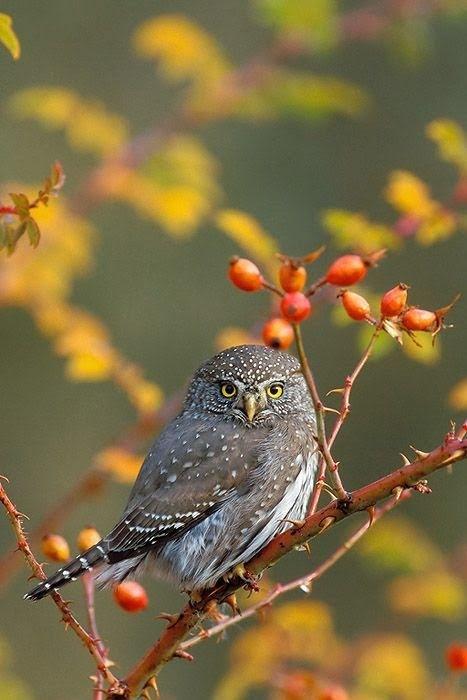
(420, 454)
(181, 654)
(405, 460)
(327, 522)
(171, 619)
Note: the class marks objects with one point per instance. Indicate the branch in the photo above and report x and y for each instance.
(303, 581)
(453, 449)
(67, 616)
(342, 416)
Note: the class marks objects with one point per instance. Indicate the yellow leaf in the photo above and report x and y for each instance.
(458, 395)
(146, 396)
(88, 125)
(440, 225)
(391, 666)
(396, 544)
(425, 350)
(451, 141)
(437, 594)
(352, 230)
(184, 50)
(123, 465)
(231, 336)
(409, 195)
(247, 233)
(8, 37)
(89, 367)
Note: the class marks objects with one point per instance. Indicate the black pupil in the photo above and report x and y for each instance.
(229, 389)
(275, 389)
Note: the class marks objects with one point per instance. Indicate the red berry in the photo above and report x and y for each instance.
(292, 277)
(419, 320)
(333, 692)
(456, 657)
(278, 333)
(295, 307)
(394, 301)
(356, 306)
(346, 270)
(245, 275)
(131, 596)
(55, 547)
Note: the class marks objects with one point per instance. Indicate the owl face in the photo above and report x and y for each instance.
(252, 384)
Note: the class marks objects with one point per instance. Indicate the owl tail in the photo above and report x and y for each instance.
(76, 567)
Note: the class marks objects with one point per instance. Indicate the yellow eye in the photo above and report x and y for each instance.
(228, 390)
(275, 391)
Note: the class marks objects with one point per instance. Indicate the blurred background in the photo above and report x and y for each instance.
(162, 293)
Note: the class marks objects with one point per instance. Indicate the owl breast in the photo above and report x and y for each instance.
(275, 492)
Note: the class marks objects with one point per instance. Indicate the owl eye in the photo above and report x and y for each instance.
(228, 390)
(275, 391)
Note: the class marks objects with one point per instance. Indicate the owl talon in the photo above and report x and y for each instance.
(231, 601)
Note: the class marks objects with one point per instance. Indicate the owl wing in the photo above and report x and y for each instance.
(192, 468)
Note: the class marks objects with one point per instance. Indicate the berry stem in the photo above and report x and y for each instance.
(322, 441)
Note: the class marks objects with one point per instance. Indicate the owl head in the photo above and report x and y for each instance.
(253, 384)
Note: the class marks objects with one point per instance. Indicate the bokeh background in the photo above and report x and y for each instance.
(165, 301)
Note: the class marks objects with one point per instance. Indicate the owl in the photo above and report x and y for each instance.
(223, 478)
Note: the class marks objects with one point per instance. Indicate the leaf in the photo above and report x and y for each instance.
(88, 125)
(396, 544)
(248, 233)
(8, 37)
(420, 346)
(184, 50)
(123, 465)
(33, 231)
(437, 594)
(391, 666)
(352, 230)
(458, 395)
(409, 195)
(451, 141)
(21, 203)
(314, 23)
(300, 95)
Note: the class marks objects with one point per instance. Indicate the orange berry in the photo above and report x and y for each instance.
(87, 538)
(245, 275)
(346, 270)
(278, 333)
(131, 596)
(419, 320)
(394, 301)
(55, 547)
(292, 277)
(295, 307)
(356, 306)
(456, 657)
(334, 692)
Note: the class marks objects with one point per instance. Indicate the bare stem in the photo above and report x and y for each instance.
(322, 441)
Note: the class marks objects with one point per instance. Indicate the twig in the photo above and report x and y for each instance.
(343, 413)
(453, 449)
(88, 586)
(67, 616)
(322, 441)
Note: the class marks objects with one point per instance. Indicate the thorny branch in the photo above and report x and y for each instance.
(168, 646)
(68, 618)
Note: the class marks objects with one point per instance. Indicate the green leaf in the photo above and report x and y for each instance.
(314, 22)
(33, 231)
(13, 234)
(8, 37)
(21, 203)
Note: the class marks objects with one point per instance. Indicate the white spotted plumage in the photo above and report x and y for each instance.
(216, 486)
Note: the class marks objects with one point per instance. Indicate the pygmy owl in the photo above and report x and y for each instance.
(225, 476)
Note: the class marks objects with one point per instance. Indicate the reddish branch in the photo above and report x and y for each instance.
(453, 449)
(67, 616)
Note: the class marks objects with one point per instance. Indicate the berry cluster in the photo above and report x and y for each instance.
(295, 305)
(129, 595)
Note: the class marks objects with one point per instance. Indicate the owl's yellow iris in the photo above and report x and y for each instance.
(275, 391)
(228, 390)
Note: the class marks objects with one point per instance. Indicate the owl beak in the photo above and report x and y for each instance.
(250, 406)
